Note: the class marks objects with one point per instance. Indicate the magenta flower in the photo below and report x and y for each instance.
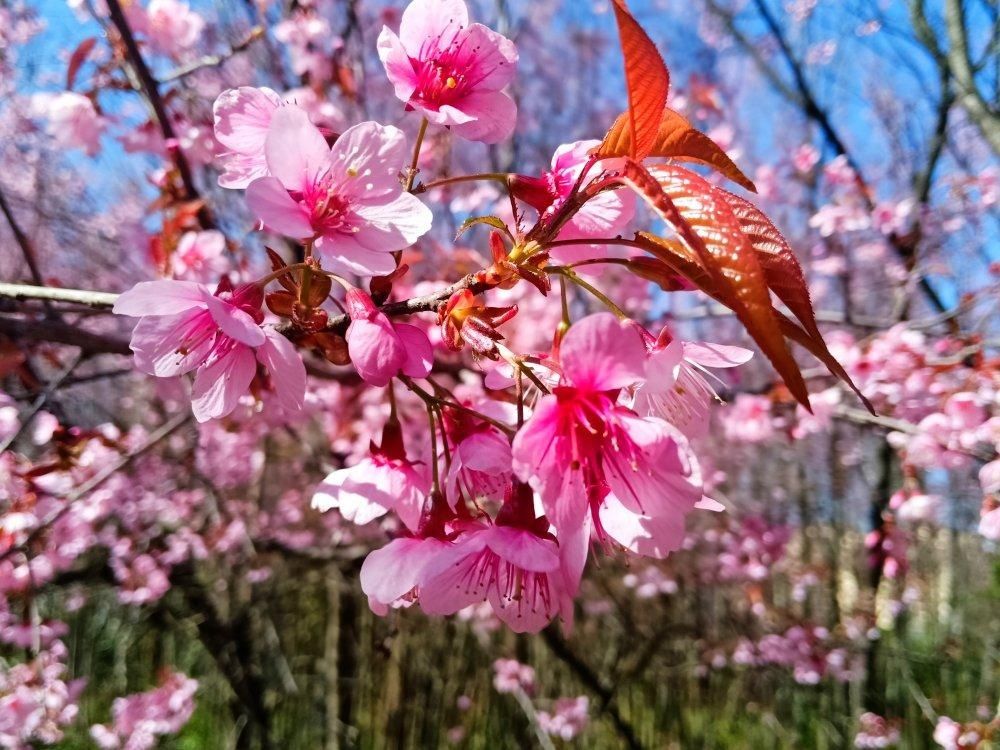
(242, 119)
(382, 481)
(381, 349)
(347, 199)
(184, 327)
(452, 71)
(580, 444)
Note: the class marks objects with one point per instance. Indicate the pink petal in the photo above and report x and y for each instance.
(288, 374)
(156, 341)
(375, 349)
(360, 492)
(716, 355)
(494, 61)
(649, 536)
(603, 354)
(425, 21)
(366, 161)
(342, 254)
(397, 64)
(707, 503)
(233, 321)
(219, 386)
(391, 572)
(493, 113)
(391, 226)
(242, 117)
(523, 549)
(487, 452)
(159, 298)
(295, 149)
(419, 352)
(662, 368)
(272, 204)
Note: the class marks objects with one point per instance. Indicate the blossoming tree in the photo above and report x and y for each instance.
(495, 415)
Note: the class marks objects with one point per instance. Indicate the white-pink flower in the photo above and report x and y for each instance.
(347, 199)
(451, 71)
(71, 119)
(676, 385)
(382, 481)
(242, 118)
(200, 255)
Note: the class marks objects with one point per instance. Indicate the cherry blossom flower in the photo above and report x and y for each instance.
(71, 119)
(380, 349)
(514, 564)
(169, 26)
(139, 719)
(347, 199)
(242, 118)
(510, 675)
(200, 255)
(568, 717)
(579, 444)
(184, 327)
(605, 215)
(451, 71)
(382, 481)
(676, 385)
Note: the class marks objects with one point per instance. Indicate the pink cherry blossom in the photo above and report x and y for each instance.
(169, 26)
(605, 215)
(748, 419)
(184, 327)
(392, 575)
(242, 118)
(380, 348)
(200, 255)
(71, 119)
(382, 481)
(676, 385)
(510, 675)
(568, 717)
(451, 71)
(513, 564)
(347, 199)
(139, 719)
(580, 444)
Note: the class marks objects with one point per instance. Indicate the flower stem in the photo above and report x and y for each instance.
(570, 274)
(480, 177)
(411, 175)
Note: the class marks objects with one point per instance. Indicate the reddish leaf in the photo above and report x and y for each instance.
(79, 56)
(711, 231)
(677, 139)
(660, 273)
(817, 347)
(781, 267)
(647, 81)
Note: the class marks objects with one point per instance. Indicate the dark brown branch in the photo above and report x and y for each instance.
(59, 332)
(27, 249)
(151, 89)
(562, 651)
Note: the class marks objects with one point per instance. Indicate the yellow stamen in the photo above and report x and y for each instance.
(451, 83)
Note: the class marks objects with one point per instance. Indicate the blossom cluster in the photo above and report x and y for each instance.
(583, 440)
